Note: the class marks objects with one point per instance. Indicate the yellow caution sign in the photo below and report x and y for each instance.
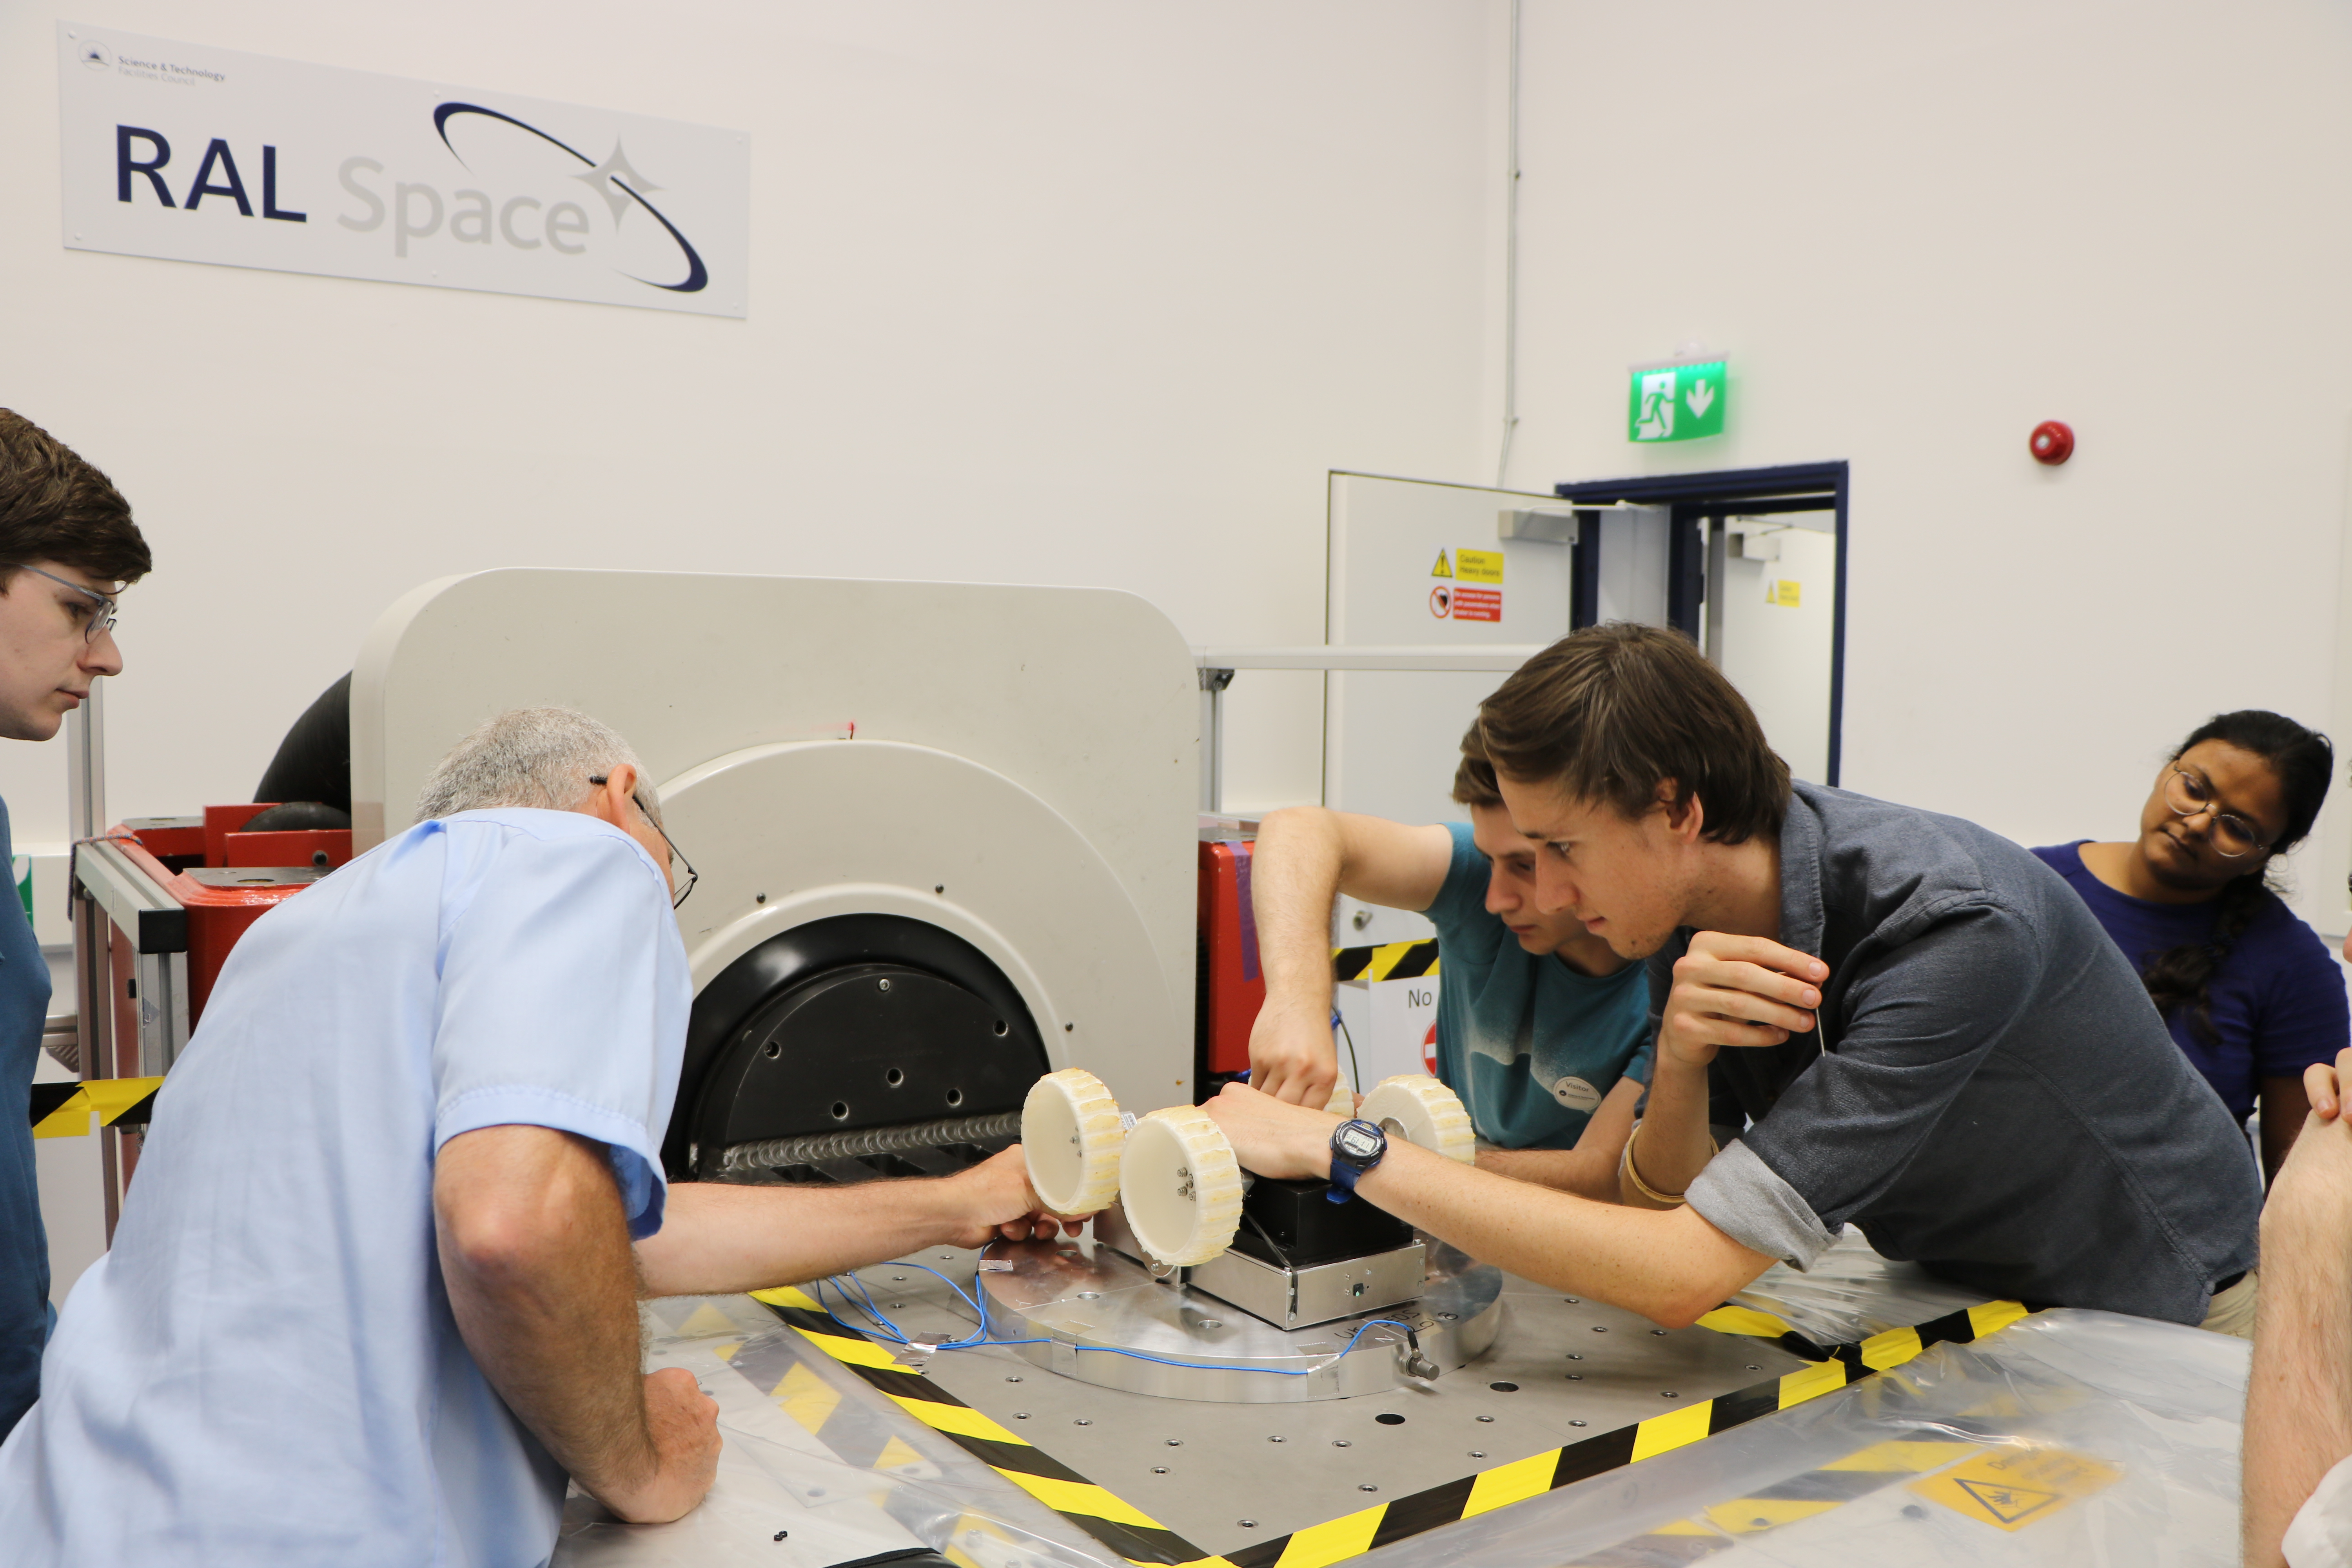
(2017, 1484)
(1441, 569)
(1479, 565)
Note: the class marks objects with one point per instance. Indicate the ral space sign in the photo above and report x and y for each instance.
(192, 153)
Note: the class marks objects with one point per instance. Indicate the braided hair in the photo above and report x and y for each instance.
(2181, 978)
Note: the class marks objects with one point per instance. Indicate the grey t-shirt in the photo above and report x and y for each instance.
(1999, 1100)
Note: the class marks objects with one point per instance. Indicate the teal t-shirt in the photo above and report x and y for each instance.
(1531, 1045)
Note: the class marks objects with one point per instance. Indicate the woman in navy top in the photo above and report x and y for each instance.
(2252, 995)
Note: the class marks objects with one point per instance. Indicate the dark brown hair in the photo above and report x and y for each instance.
(55, 507)
(1612, 712)
(2180, 979)
(1474, 777)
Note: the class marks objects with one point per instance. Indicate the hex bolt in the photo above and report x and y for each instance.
(1341, 1443)
(1668, 1393)
(1273, 1439)
(1477, 1453)
(1020, 1416)
(1368, 1487)
(1576, 1423)
(1175, 1442)
(1159, 1469)
(1487, 1418)
(1246, 1523)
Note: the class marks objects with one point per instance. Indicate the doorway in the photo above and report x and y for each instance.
(1754, 562)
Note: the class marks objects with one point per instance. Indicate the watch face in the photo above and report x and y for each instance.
(1358, 1143)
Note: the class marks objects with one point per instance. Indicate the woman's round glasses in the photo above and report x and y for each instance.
(2189, 794)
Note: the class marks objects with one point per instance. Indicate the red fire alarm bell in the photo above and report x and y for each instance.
(2052, 442)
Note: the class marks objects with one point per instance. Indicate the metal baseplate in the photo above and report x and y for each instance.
(1569, 1390)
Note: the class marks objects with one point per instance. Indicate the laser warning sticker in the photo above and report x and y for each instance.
(2017, 1484)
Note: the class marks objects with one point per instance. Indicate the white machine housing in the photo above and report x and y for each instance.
(1016, 765)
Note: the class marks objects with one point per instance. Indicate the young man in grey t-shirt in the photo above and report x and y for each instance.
(1904, 1021)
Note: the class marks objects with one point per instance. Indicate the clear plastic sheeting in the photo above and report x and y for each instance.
(817, 1468)
(2075, 1439)
(1851, 1293)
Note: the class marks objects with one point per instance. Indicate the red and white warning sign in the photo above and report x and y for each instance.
(1478, 603)
(1440, 601)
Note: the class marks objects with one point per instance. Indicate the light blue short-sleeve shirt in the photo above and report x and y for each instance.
(265, 1369)
(1531, 1046)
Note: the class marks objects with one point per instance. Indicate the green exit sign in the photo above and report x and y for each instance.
(1680, 402)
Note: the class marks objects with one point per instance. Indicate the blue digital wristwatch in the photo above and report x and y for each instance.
(1356, 1147)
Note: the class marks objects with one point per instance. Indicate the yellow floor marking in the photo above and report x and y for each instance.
(1507, 1484)
(2016, 1484)
(1812, 1383)
(1892, 1348)
(1080, 1497)
(1661, 1434)
(707, 1320)
(1902, 1456)
(806, 1397)
(1744, 1321)
(1348, 1536)
(1684, 1527)
(898, 1455)
(960, 1419)
(1746, 1515)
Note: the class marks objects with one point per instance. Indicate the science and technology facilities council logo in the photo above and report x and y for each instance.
(94, 57)
(620, 186)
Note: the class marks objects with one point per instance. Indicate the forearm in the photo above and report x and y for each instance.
(2299, 1392)
(1588, 1170)
(544, 1297)
(1294, 879)
(1674, 1145)
(1671, 1268)
(716, 1237)
(1585, 1172)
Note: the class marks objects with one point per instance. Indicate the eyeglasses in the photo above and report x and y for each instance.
(692, 876)
(102, 618)
(2187, 795)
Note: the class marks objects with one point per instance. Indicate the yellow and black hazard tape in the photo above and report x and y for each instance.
(1119, 1525)
(1142, 1539)
(1388, 960)
(63, 1110)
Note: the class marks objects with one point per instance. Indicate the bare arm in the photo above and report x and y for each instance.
(534, 1252)
(1305, 857)
(1671, 1268)
(2285, 1105)
(1588, 1170)
(2299, 1391)
(717, 1238)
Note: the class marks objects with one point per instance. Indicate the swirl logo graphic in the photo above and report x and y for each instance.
(620, 186)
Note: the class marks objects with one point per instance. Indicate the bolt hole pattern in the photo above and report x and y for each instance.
(841, 1110)
(955, 1096)
(894, 1077)
(1002, 1026)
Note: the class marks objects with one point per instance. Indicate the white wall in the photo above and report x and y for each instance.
(1043, 292)
(1920, 230)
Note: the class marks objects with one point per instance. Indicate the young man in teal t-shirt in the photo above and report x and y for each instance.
(1541, 1029)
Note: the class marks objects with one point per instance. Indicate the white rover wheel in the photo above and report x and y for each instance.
(1419, 1109)
(1071, 1137)
(1180, 1187)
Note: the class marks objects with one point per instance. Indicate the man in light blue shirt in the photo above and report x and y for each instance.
(373, 1294)
(1541, 1029)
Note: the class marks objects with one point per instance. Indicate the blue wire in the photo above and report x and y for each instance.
(979, 1339)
